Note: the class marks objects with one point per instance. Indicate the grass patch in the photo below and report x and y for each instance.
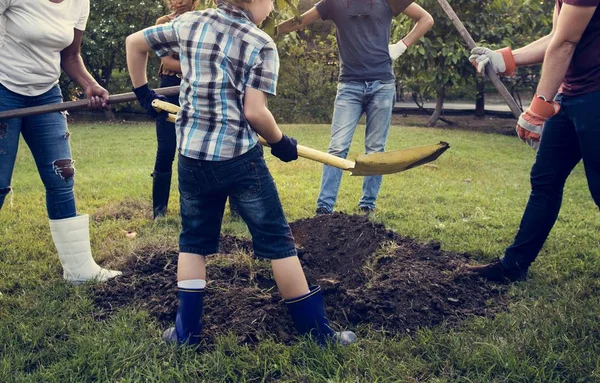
(471, 201)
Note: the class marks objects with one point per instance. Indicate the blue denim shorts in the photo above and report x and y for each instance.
(204, 187)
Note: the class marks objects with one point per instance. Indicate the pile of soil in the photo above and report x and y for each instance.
(370, 276)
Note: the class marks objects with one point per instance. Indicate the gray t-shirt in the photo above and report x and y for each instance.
(363, 34)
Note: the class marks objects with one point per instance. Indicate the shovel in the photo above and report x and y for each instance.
(80, 104)
(365, 164)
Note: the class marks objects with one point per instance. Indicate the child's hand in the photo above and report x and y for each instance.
(286, 149)
(145, 96)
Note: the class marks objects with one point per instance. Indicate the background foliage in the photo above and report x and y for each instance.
(436, 66)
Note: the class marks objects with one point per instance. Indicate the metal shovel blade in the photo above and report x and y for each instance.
(397, 160)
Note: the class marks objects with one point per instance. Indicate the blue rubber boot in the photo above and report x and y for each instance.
(308, 314)
(188, 323)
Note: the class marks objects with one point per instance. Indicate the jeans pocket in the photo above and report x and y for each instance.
(190, 184)
(241, 178)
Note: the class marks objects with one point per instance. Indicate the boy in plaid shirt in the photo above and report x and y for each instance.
(228, 66)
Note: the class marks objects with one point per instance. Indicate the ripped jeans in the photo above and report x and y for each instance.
(48, 139)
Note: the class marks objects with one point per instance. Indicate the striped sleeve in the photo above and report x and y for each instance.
(163, 38)
(265, 70)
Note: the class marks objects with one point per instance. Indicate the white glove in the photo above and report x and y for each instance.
(501, 61)
(397, 49)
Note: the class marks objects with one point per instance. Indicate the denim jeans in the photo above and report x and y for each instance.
(204, 187)
(570, 136)
(165, 132)
(376, 99)
(48, 138)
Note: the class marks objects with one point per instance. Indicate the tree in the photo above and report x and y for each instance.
(440, 61)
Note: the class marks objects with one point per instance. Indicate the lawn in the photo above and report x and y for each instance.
(470, 200)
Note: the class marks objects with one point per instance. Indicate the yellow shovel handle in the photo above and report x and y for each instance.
(303, 151)
(316, 155)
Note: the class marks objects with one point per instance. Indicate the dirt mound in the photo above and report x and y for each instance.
(370, 276)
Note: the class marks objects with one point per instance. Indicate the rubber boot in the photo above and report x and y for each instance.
(161, 187)
(188, 322)
(308, 314)
(72, 240)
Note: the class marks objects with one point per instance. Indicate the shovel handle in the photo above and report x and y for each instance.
(316, 155)
(79, 104)
(510, 101)
(303, 151)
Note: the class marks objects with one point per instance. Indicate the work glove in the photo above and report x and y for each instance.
(531, 121)
(501, 61)
(145, 96)
(396, 50)
(286, 149)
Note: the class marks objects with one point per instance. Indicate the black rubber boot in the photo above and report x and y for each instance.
(161, 187)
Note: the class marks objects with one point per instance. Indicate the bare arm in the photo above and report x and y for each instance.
(72, 64)
(137, 58)
(424, 22)
(292, 25)
(259, 116)
(534, 53)
(171, 64)
(568, 29)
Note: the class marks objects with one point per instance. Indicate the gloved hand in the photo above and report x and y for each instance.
(286, 149)
(501, 61)
(396, 50)
(531, 121)
(145, 95)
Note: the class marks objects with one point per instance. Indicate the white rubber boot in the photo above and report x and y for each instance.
(72, 239)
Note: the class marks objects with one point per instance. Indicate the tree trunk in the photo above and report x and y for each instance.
(441, 94)
(480, 97)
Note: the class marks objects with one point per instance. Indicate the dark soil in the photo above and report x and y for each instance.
(370, 276)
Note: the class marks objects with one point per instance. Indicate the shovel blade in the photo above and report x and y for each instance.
(397, 160)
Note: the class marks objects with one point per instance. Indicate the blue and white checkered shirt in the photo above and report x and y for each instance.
(222, 52)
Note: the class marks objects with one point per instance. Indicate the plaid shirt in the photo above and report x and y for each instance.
(222, 52)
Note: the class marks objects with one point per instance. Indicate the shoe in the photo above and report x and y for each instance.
(367, 210)
(71, 237)
(308, 315)
(495, 271)
(322, 211)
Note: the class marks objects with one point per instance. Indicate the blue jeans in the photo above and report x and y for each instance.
(165, 132)
(376, 99)
(204, 187)
(570, 136)
(48, 138)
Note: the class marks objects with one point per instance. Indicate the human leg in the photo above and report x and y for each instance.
(380, 102)
(558, 154)
(201, 215)
(48, 138)
(165, 154)
(10, 130)
(347, 111)
(256, 196)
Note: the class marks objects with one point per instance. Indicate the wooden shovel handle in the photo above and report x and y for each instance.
(79, 104)
(303, 151)
(316, 155)
(510, 101)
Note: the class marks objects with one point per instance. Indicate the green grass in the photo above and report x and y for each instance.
(471, 202)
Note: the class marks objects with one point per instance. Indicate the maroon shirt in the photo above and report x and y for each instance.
(583, 75)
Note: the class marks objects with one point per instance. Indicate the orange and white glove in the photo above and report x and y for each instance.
(531, 121)
(501, 61)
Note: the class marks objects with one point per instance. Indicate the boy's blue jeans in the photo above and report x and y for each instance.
(204, 187)
(376, 99)
(570, 136)
(48, 138)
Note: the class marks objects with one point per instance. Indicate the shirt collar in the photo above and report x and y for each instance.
(234, 11)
